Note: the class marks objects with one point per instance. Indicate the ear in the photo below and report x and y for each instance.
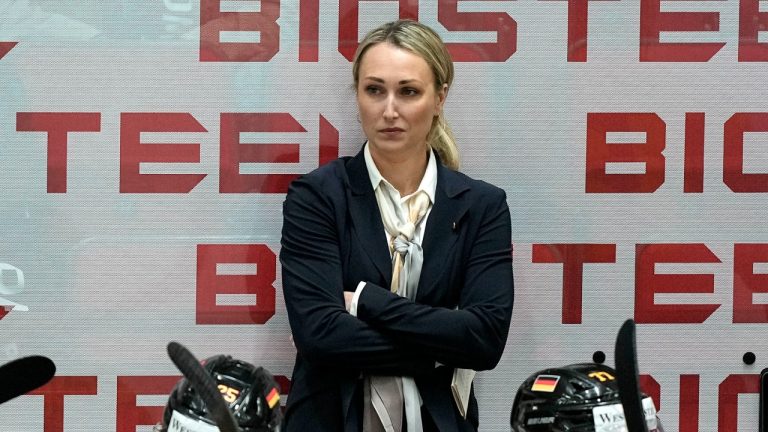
(440, 97)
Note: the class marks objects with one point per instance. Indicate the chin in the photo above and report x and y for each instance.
(387, 148)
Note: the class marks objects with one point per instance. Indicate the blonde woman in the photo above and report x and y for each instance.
(397, 269)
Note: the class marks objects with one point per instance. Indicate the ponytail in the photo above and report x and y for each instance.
(441, 140)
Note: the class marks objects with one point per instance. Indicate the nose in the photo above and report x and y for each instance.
(390, 108)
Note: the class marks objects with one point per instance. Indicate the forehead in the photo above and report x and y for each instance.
(390, 63)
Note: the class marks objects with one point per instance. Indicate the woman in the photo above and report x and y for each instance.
(397, 269)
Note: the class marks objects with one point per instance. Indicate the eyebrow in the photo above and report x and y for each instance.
(380, 80)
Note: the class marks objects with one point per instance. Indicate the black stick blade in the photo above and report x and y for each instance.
(628, 378)
(23, 375)
(204, 384)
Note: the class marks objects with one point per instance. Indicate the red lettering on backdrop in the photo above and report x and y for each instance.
(210, 283)
(746, 283)
(688, 395)
(652, 388)
(53, 397)
(648, 283)
(128, 414)
(688, 415)
(329, 143)
(233, 152)
(133, 152)
(213, 21)
(689, 399)
(349, 20)
(6, 47)
(653, 21)
(600, 152)
(693, 169)
(573, 257)
(499, 22)
(578, 25)
(58, 125)
(728, 399)
(309, 30)
(751, 23)
(733, 152)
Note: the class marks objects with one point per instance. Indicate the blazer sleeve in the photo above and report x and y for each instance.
(474, 335)
(323, 331)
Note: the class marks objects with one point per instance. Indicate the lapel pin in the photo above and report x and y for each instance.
(454, 226)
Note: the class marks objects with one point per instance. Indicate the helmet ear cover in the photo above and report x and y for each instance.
(251, 393)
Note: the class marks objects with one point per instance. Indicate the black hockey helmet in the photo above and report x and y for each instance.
(250, 392)
(580, 397)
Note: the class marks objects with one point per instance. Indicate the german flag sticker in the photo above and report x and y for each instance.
(273, 398)
(545, 383)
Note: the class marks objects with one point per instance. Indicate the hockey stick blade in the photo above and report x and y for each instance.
(204, 384)
(627, 371)
(23, 375)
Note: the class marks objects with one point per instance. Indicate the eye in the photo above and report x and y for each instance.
(373, 90)
(409, 91)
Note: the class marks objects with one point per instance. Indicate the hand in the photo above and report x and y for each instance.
(348, 296)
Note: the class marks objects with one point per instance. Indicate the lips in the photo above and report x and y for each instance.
(391, 130)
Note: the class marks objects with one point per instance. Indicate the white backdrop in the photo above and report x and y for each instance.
(116, 246)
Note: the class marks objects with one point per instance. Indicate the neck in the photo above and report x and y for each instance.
(404, 173)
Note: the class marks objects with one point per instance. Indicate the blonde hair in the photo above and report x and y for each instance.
(423, 41)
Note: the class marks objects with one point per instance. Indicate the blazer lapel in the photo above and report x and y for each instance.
(443, 226)
(366, 218)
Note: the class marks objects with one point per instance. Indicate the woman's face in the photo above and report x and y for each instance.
(397, 100)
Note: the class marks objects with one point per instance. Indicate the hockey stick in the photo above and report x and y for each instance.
(763, 411)
(628, 381)
(23, 375)
(204, 385)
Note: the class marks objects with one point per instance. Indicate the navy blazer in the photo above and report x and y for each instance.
(333, 238)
